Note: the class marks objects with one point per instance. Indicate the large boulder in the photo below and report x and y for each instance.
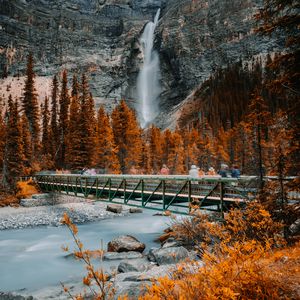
(132, 289)
(171, 255)
(125, 243)
(123, 255)
(134, 265)
(115, 208)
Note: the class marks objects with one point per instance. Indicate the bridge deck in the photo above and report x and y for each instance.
(157, 192)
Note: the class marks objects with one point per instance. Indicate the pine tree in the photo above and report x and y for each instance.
(127, 136)
(107, 158)
(145, 163)
(87, 125)
(2, 134)
(46, 138)
(13, 154)
(155, 149)
(30, 105)
(257, 123)
(26, 144)
(54, 117)
(176, 156)
(64, 102)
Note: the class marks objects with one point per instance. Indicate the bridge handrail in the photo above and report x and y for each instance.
(166, 177)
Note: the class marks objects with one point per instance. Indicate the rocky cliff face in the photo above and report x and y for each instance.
(101, 37)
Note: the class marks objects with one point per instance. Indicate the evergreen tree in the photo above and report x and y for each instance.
(87, 125)
(107, 158)
(46, 138)
(54, 117)
(26, 144)
(155, 149)
(13, 154)
(175, 160)
(30, 105)
(73, 153)
(64, 103)
(127, 136)
(257, 123)
(2, 133)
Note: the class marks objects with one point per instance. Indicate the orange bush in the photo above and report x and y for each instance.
(243, 271)
(26, 189)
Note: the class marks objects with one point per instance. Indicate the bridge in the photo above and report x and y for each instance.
(178, 194)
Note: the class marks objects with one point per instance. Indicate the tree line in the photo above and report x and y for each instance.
(66, 131)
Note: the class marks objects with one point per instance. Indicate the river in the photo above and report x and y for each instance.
(32, 258)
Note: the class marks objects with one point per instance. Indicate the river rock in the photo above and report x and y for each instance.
(138, 265)
(125, 243)
(123, 255)
(135, 210)
(132, 289)
(171, 242)
(169, 255)
(115, 208)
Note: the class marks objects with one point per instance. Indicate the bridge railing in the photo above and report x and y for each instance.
(162, 192)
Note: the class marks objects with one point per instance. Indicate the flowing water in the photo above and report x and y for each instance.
(32, 258)
(148, 80)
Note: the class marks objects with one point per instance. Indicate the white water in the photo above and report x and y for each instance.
(148, 80)
(32, 258)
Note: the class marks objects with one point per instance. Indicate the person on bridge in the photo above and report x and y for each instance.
(211, 172)
(193, 172)
(164, 170)
(133, 170)
(224, 171)
(235, 172)
(201, 172)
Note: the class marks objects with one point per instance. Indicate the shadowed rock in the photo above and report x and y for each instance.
(125, 243)
(115, 208)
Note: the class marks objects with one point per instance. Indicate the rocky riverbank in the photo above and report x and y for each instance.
(37, 211)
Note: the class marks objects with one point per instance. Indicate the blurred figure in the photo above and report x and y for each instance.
(211, 171)
(133, 170)
(201, 172)
(224, 170)
(164, 170)
(193, 172)
(235, 172)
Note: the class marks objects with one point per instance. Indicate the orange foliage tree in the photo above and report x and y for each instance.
(127, 135)
(107, 158)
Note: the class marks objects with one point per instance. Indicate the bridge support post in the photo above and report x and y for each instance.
(189, 194)
(163, 183)
(85, 188)
(97, 186)
(109, 190)
(222, 198)
(68, 182)
(124, 183)
(142, 192)
(76, 186)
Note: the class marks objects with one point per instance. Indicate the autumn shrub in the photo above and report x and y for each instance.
(194, 231)
(252, 223)
(26, 189)
(242, 271)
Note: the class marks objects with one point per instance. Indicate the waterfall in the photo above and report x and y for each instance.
(148, 86)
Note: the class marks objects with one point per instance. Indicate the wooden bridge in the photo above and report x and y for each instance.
(174, 193)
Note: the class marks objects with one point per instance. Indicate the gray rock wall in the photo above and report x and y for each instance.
(101, 37)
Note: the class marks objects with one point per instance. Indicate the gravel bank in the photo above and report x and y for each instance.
(79, 210)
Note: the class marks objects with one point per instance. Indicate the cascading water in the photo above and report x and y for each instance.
(148, 80)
